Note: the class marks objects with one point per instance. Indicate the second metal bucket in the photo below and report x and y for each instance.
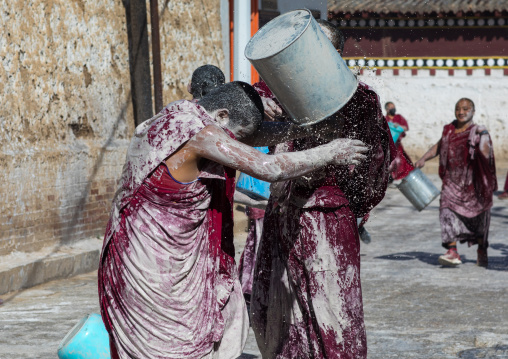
(418, 189)
(301, 67)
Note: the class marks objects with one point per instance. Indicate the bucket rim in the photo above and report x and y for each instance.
(74, 330)
(292, 42)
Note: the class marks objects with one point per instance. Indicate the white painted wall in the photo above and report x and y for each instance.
(241, 36)
(288, 5)
(428, 103)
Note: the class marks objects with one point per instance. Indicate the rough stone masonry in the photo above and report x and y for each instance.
(67, 116)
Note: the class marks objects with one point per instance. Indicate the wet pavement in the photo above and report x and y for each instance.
(414, 307)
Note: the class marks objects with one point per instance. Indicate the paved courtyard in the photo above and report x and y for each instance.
(414, 308)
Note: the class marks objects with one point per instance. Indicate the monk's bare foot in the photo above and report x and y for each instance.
(503, 195)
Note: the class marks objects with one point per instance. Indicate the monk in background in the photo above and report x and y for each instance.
(504, 194)
(467, 169)
(402, 164)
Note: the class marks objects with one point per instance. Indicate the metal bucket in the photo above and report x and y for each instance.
(88, 339)
(418, 189)
(395, 131)
(301, 67)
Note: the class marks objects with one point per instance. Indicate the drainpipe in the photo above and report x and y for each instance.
(156, 55)
(242, 29)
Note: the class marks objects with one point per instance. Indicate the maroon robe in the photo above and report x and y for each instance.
(168, 285)
(306, 299)
(248, 259)
(469, 181)
(403, 164)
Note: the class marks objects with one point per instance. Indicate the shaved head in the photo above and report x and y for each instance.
(466, 99)
(333, 34)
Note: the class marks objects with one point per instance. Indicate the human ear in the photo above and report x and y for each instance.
(222, 114)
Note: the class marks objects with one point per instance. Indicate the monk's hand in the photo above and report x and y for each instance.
(481, 128)
(272, 110)
(348, 151)
(420, 163)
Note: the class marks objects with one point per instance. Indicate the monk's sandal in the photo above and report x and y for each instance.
(450, 258)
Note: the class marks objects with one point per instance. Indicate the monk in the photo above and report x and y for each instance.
(402, 164)
(467, 169)
(204, 79)
(168, 284)
(306, 298)
(504, 194)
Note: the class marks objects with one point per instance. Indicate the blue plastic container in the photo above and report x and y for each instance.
(395, 130)
(252, 187)
(86, 340)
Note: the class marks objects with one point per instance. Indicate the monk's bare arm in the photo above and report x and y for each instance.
(214, 144)
(272, 133)
(242, 198)
(430, 154)
(485, 141)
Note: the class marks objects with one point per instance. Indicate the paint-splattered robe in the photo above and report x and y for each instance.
(403, 164)
(168, 285)
(306, 299)
(469, 181)
(248, 259)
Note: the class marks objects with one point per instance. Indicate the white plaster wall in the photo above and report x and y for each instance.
(428, 103)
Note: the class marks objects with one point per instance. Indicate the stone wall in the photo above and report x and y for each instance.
(66, 116)
(428, 103)
(190, 37)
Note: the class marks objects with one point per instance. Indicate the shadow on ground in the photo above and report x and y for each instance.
(499, 211)
(499, 263)
(498, 352)
(247, 356)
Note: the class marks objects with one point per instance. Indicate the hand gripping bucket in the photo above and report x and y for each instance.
(88, 339)
(301, 67)
(395, 131)
(418, 189)
(253, 187)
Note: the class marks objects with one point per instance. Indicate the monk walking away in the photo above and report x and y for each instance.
(168, 284)
(467, 169)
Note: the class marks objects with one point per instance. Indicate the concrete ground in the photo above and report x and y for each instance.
(414, 308)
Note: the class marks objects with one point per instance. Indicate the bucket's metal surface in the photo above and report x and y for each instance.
(418, 189)
(88, 339)
(301, 67)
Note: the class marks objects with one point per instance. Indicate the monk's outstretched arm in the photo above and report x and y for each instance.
(242, 198)
(272, 133)
(214, 144)
(430, 154)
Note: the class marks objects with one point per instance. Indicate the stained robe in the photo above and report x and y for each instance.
(306, 299)
(248, 258)
(403, 164)
(469, 181)
(168, 284)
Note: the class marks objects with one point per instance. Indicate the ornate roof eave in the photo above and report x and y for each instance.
(416, 6)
